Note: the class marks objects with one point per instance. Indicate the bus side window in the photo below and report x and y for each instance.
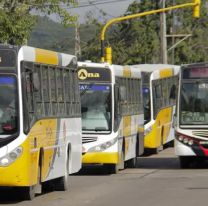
(117, 103)
(158, 91)
(28, 101)
(173, 92)
(157, 96)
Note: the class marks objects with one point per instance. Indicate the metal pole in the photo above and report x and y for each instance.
(163, 31)
(77, 41)
(195, 3)
(173, 32)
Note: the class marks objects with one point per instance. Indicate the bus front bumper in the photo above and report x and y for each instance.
(100, 158)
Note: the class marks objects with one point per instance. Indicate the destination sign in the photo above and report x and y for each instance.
(94, 74)
(195, 73)
(84, 87)
(7, 58)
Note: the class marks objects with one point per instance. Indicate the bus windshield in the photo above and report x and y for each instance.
(194, 103)
(96, 107)
(8, 106)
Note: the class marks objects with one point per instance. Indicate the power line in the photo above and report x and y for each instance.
(93, 3)
(88, 4)
(102, 11)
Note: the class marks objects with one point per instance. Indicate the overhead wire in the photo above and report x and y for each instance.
(87, 4)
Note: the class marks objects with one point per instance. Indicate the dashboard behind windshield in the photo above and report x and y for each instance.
(96, 107)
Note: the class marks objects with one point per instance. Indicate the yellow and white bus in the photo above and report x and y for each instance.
(191, 124)
(159, 83)
(112, 115)
(40, 119)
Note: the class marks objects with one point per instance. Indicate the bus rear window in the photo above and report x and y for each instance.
(7, 58)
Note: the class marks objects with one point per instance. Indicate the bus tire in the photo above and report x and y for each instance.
(62, 183)
(27, 193)
(114, 168)
(132, 163)
(111, 168)
(185, 162)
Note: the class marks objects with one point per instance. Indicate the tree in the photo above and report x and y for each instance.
(195, 48)
(132, 41)
(137, 41)
(17, 17)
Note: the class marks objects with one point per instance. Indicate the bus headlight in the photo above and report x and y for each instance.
(103, 146)
(180, 138)
(190, 142)
(185, 139)
(148, 130)
(10, 157)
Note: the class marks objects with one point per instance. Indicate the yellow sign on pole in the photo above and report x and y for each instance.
(196, 8)
(196, 13)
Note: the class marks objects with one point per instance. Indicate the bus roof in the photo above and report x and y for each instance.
(118, 70)
(37, 55)
(93, 64)
(126, 71)
(200, 64)
(154, 67)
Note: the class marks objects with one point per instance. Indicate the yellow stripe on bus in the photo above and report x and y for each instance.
(160, 130)
(127, 131)
(45, 133)
(127, 126)
(166, 73)
(46, 57)
(126, 72)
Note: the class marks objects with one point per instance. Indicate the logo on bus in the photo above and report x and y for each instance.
(84, 74)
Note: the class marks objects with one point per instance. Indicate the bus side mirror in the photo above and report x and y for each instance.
(36, 82)
(122, 93)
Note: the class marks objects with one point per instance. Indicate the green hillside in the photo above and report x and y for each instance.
(53, 36)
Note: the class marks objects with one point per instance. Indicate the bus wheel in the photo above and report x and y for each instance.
(132, 163)
(121, 164)
(27, 193)
(111, 168)
(185, 161)
(62, 183)
(114, 168)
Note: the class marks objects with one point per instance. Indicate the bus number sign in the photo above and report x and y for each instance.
(195, 73)
(199, 72)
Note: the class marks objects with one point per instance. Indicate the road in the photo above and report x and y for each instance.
(157, 181)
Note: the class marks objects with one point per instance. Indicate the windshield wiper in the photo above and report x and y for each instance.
(97, 129)
(100, 129)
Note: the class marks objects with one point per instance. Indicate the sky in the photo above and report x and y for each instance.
(112, 8)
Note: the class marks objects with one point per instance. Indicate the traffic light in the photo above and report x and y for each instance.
(196, 8)
(108, 55)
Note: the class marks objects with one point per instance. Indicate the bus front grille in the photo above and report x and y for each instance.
(201, 133)
(88, 139)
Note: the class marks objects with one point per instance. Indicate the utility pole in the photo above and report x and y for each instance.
(163, 31)
(173, 32)
(195, 4)
(174, 36)
(77, 49)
